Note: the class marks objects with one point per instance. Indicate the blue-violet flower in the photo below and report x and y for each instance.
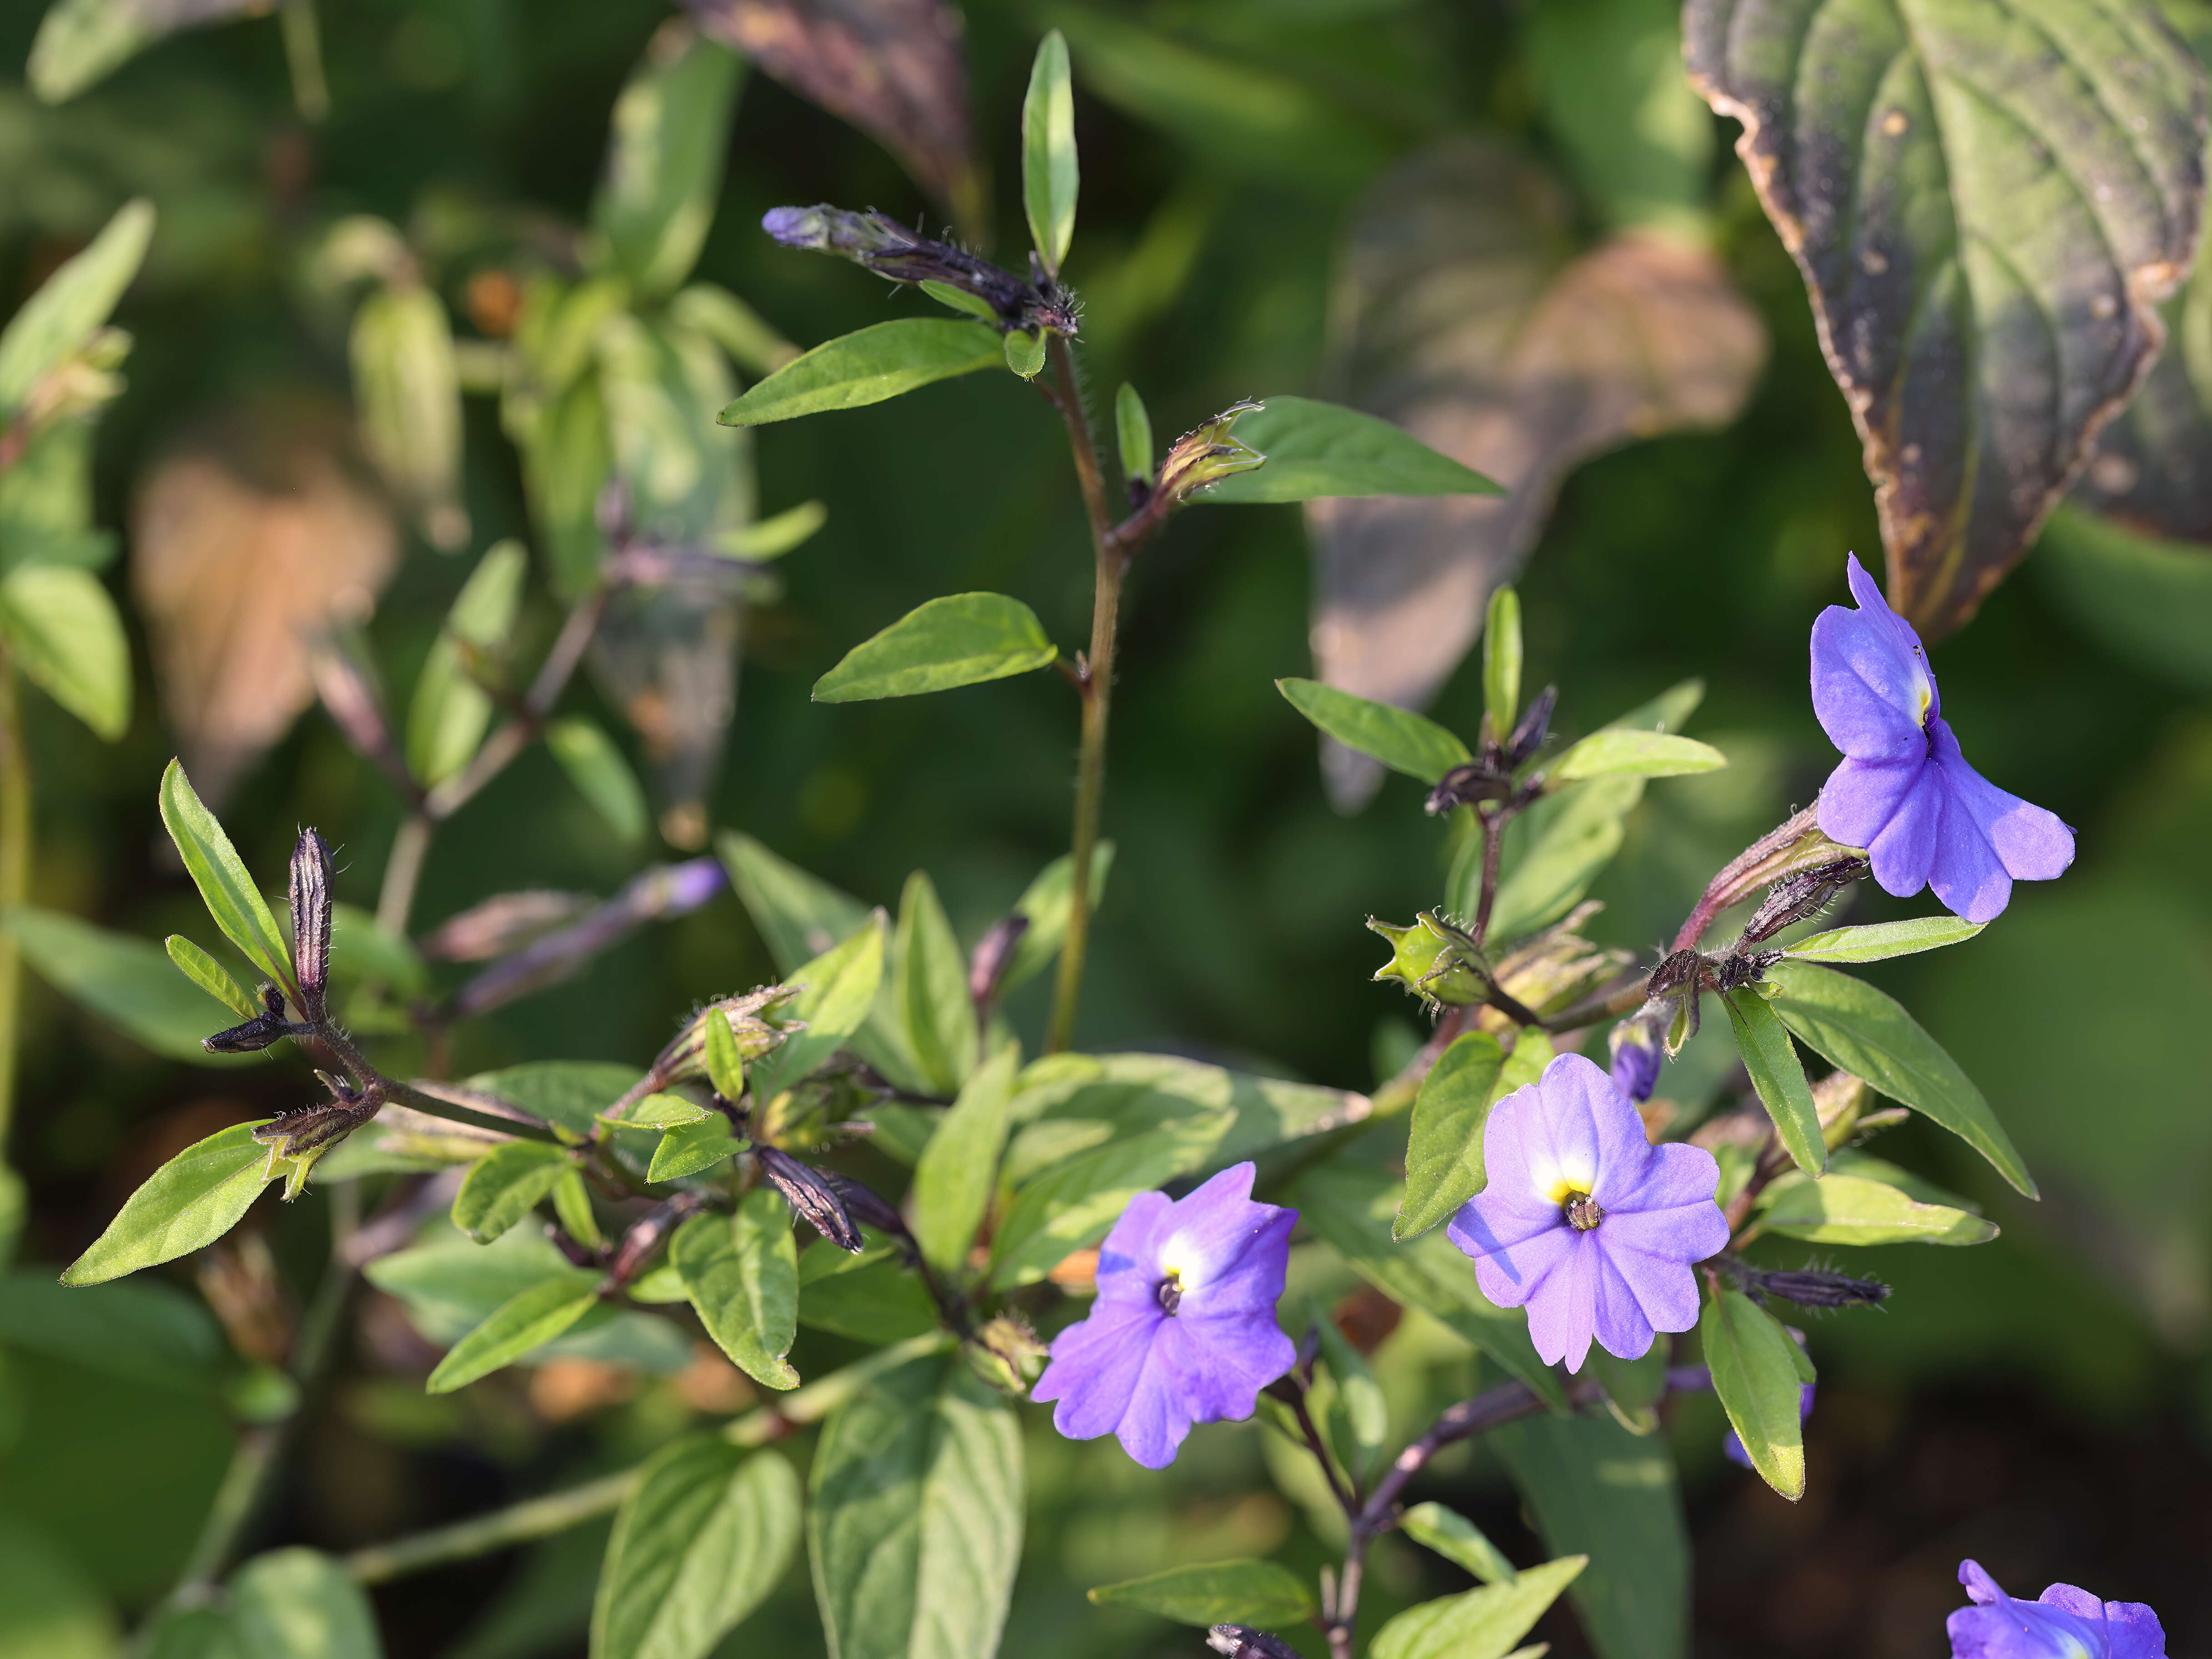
(1584, 1221)
(1904, 792)
(2063, 1623)
(1183, 1330)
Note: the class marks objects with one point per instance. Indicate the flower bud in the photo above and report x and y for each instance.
(1006, 1354)
(1636, 1051)
(1434, 959)
(811, 1197)
(1535, 725)
(1801, 895)
(297, 1138)
(754, 1022)
(1809, 1288)
(993, 955)
(1242, 1642)
(1207, 454)
(311, 920)
(265, 1028)
(1466, 784)
(878, 243)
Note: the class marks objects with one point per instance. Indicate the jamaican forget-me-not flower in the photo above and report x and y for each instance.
(2063, 1623)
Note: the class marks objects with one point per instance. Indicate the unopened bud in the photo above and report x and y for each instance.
(1435, 959)
(1207, 454)
(1639, 1051)
(1464, 785)
(1006, 1354)
(756, 1027)
(297, 1138)
(811, 1197)
(311, 920)
(881, 244)
(265, 1028)
(993, 955)
(1811, 1289)
(1535, 725)
(1801, 895)
(1242, 1642)
(866, 1206)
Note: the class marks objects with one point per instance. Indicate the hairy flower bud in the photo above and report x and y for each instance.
(754, 1022)
(1006, 1354)
(1535, 725)
(1809, 1288)
(311, 920)
(1800, 896)
(1207, 454)
(810, 1196)
(298, 1139)
(876, 242)
(1435, 959)
(1242, 1642)
(265, 1028)
(1637, 1050)
(1466, 784)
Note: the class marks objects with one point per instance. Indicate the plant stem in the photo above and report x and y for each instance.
(1111, 564)
(15, 877)
(401, 871)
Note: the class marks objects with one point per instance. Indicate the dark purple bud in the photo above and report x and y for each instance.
(1477, 780)
(1740, 967)
(993, 955)
(1811, 1289)
(1535, 725)
(579, 1254)
(867, 1207)
(1242, 1642)
(1638, 1054)
(311, 920)
(881, 244)
(1680, 971)
(1205, 454)
(1800, 896)
(810, 1196)
(266, 1027)
(314, 1130)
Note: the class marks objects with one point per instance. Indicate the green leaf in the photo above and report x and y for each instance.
(963, 638)
(572, 1205)
(529, 1320)
(1073, 1205)
(1359, 1417)
(126, 981)
(193, 1199)
(1239, 1592)
(1850, 1025)
(1607, 76)
(407, 391)
(741, 1271)
(63, 631)
(1501, 662)
(1478, 1624)
(914, 1524)
(1880, 940)
(974, 304)
(1754, 1366)
(1133, 435)
(726, 1066)
(450, 712)
(82, 294)
(1047, 903)
(876, 1302)
(959, 1167)
(1778, 1076)
(216, 869)
(602, 775)
(697, 1545)
(300, 1604)
(868, 366)
(839, 989)
(505, 1185)
(1596, 1490)
(1443, 1150)
(143, 1331)
(1458, 1540)
(929, 988)
(1351, 1209)
(668, 137)
(1615, 752)
(1998, 165)
(1049, 171)
(1024, 352)
(774, 537)
(690, 1149)
(1401, 739)
(571, 1093)
(1315, 450)
(1850, 1209)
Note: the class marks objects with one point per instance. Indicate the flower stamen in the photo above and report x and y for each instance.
(1169, 1291)
(1583, 1212)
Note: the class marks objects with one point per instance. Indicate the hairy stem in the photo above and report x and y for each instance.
(1112, 563)
(15, 878)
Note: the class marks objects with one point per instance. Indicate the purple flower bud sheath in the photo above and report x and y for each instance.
(1183, 1330)
(1584, 1222)
(1904, 792)
(2065, 1622)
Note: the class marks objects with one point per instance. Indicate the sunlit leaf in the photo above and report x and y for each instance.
(1778, 1076)
(221, 875)
(1243, 1592)
(1458, 1540)
(668, 137)
(1477, 1624)
(963, 638)
(1842, 1208)
(1050, 174)
(506, 1185)
(528, 1320)
(82, 292)
(1443, 1148)
(1402, 741)
(884, 361)
(1621, 752)
(959, 1168)
(61, 629)
(192, 1200)
(1315, 450)
(1880, 940)
(1755, 1372)
(1047, 902)
(741, 1272)
(838, 990)
(451, 710)
(929, 988)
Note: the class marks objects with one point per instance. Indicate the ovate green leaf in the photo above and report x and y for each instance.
(1880, 940)
(963, 638)
(1401, 741)
(1778, 1077)
(1478, 1624)
(1241, 1592)
(216, 869)
(1443, 1151)
(505, 1185)
(1615, 752)
(1846, 1209)
(602, 775)
(300, 1604)
(193, 1199)
(1317, 449)
(1755, 1364)
(1457, 1539)
(1049, 171)
(741, 1271)
(531, 1319)
(666, 144)
(929, 988)
(874, 364)
(63, 631)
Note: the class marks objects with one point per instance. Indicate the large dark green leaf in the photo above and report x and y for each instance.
(146, 1331)
(697, 1545)
(963, 638)
(1316, 450)
(1595, 1489)
(1243, 1592)
(193, 1199)
(1444, 1149)
(1987, 201)
(1868, 1034)
(882, 362)
(915, 1522)
(741, 1271)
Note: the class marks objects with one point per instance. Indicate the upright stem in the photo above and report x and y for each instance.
(15, 877)
(1097, 687)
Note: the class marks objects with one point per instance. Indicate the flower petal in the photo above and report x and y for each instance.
(1904, 852)
(1563, 1309)
(1217, 1366)
(1652, 1262)
(1866, 692)
(1576, 1095)
(2033, 844)
(1678, 1175)
(1155, 1424)
(1511, 1271)
(1127, 1265)
(2133, 1631)
(1966, 874)
(1623, 1331)
(1095, 1366)
(1861, 797)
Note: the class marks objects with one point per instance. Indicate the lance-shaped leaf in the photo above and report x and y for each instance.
(915, 1522)
(1075, 1203)
(193, 1199)
(1987, 202)
(1478, 1624)
(126, 981)
(741, 1272)
(1047, 903)
(929, 987)
(670, 131)
(1779, 1078)
(1050, 174)
(62, 630)
(1755, 1367)
(602, 776)
(838, 988)
(528, 1320)
(961, 639)
(882, 361)
(1444, 1149)
(1463, 315)
(82, 292)
(1850, 1209)
(408, 391)
(1316, 450)
(1623, 752)
(959, 1168)
(1403, 741)
(211, 976)
(1880, 940)
(892, 68)
(1501, 662)
(1457, 1539)
(690, 1149)
(506, 1185)
(1241, 1592)
(451, 710)
(1867, 1033)
(697, 1545)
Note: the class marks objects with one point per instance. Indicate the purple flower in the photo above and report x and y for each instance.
(1732, 1448)
(1636, 1058)
(1904, 792)
(1584, 1221)
(2065, 1622)
(1184, 1328)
